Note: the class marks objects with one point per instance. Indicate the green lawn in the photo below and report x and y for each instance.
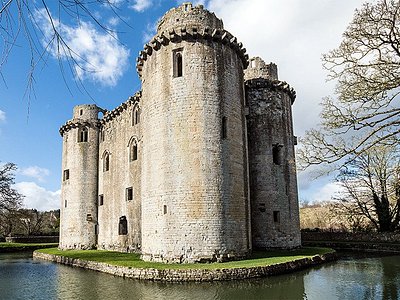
(259, 258)
(17, 247)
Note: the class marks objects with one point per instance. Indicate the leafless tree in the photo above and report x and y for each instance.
(19, 19)
(366, 67)
(10, 199)
(32, 221)
(371, 183)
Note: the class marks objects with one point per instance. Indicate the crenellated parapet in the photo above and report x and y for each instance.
(188, 14)
(273, 85)
(132, 101)
(188, 23)
(78, 123)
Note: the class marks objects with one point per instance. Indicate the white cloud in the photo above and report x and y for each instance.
(151, 29)
(115, 2)
(293, 34)
(325, 192)
(36, 172)
(38, 197)
(114, 21)
(99, 56)
(2, 116)
(141, 5)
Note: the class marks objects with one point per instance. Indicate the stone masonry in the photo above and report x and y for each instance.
(197, 166)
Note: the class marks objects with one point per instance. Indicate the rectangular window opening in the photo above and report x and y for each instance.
(65, 203)
(165, 209)
(224, 128)
(277, 216)
(129, 193)
(66, 175)
(101, 200)
(277, 154)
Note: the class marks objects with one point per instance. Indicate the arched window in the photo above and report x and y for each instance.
(123, 226)
(133, 150)
(106, 162)
(82, 135)
(178, 63)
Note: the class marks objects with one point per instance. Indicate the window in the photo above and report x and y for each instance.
(123, 226)
(277, 217)
(277, 154)
(165, 209)
(81, 112)
(82, 135)
(133, 151)
(136, 115)
(66, 175)
(89, 217)
(178, 63)
(129, 194)
(65, 203)
(106, 162)
(101, 200)
(224, 129)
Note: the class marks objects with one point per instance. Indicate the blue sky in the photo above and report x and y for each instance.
(291, 33)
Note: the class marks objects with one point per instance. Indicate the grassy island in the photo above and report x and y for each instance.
(132, 260)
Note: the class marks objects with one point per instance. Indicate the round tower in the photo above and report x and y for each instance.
(78, 224)
(194, 187)
(273, 185)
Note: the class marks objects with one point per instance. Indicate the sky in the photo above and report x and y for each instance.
(291, 33)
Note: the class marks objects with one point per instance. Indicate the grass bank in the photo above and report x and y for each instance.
(15, 247)
(132, 260)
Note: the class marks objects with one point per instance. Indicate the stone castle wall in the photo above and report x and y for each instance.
(193, 185)
(120, 132)
(273, 186)
(79, 179)
(169, 172)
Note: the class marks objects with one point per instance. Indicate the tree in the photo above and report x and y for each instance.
(366, 67)
(10, 199)
(44, 31)
(371, 187)
(32, 221)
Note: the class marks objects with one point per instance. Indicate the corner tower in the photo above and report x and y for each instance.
(194, 170)
(273, 184)
(78, 222)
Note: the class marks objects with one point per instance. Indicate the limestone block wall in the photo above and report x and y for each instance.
(79, 179)
(273, 186)
(120, 132)
(194, 190)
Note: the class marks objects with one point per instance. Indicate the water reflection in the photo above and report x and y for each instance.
(367, 278)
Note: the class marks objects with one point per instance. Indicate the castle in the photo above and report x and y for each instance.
(197, 166)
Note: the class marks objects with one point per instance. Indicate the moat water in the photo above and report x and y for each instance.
(351, 277)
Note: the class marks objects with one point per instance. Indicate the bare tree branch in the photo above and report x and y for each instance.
(366, 67)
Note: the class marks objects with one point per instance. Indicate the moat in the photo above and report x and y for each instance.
(351, 277)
